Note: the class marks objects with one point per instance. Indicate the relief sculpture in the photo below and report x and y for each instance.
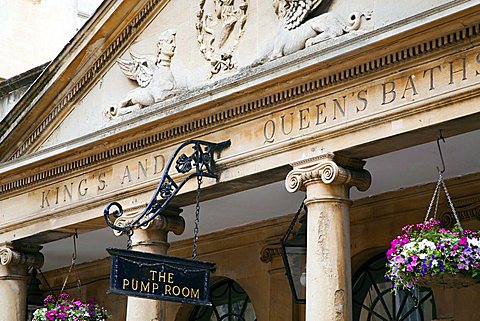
(304, 23)
(151, 73)
(219, 33)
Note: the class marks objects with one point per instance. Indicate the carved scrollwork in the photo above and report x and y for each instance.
(173, 223)
(267, 254)
(10, 256)
(214, 31)
(327, 171)
(6, 256)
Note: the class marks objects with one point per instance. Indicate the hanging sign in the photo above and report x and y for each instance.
(160, 277)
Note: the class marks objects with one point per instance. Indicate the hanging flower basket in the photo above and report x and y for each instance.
(69, 309)
(428, 255)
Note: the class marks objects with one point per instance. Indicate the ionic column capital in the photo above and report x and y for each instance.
(9, 255)
(168, 221)
(328, 169)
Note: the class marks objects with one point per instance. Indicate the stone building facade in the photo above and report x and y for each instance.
(331, 103)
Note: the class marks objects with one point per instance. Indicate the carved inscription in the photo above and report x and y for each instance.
(358, 103)
(135, 171)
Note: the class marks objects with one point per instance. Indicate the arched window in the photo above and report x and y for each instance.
(229, 303)
(374, 300)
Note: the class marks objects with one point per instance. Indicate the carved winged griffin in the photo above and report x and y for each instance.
(304, 23)
(152, 74)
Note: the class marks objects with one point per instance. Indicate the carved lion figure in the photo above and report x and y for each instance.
(152, 74)
(298, 29)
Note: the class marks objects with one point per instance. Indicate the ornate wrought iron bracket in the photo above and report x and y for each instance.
(201, 160)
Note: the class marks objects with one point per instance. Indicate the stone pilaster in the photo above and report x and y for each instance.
(14, 264)
(327, 181)
(152, 239)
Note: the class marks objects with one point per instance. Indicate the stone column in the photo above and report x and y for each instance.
(327, 181)
(152, 239)
(15, 262)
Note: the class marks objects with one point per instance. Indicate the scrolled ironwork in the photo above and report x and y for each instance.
(201, 160)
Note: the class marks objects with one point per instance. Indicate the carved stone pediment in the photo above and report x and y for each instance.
(304, 23)
(220, 26)
(151, 73)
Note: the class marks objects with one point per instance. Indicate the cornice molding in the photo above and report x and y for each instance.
(458, 37)
(97, 69)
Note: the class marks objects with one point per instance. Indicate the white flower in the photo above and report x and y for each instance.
(410, 246)
(434, 263)
(473, 242)
(422, 256)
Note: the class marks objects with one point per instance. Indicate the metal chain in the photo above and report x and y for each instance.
(437, 188)
(197, 216)
(437, 197)
(451, 205)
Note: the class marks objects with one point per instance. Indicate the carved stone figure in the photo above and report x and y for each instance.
(153, 75)
(215, 29)
(300, 27)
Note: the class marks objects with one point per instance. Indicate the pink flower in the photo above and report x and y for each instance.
(463, 240)
(51, 314)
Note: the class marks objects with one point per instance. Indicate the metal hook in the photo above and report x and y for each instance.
(440, 151)
(74, 255)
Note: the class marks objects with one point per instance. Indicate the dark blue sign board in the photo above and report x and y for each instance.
(160, 277)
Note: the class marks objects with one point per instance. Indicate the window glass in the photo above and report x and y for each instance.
(374, 299)
(229, 303)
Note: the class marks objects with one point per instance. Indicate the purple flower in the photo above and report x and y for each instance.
(49, 299)
(51, 314)
(64, 296)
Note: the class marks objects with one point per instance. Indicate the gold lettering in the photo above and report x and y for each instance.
(304, 118)
(101, 182)
(176, 288)
(432, 79)
(320, 109)
(283, 124)
(463, 70)
(80, 187)
(153, 272)
(186, 292)
(68, 192)
(195, 293)
(142, 169)
(154, 287)
(339, 107)
(168, 289)
(410, 85)
(134, 285)
(162, 276)
(145, 287)
(125, 283)
(45, 199)
(268, 135)
(391, 91)
(170, 277)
